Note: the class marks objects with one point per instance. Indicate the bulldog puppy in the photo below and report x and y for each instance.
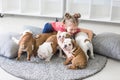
(41, 38)
(75, 55)
(62, 35)
(60, 38)
(48, 48)
(83, 41)
(26, 44)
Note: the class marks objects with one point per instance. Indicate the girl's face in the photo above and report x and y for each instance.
(71, 27)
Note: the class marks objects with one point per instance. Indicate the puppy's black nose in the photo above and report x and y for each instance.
(65, 46)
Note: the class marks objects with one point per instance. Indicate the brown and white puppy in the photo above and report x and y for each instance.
(76, 55)
(62, 35)
(60, 38)
(48, 48)
(41, 38)
(26, 44)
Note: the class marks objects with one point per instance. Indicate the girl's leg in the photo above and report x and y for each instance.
(47, 28)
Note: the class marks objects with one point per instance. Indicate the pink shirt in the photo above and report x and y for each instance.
(58, 26)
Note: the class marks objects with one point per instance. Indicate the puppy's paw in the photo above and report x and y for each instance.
(65, 63)
(92, 57)
(71, 67)
(17, 58)
(28, 59)
(62, 56)
(47, 60)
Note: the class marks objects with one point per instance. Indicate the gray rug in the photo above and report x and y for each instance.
(37, 69)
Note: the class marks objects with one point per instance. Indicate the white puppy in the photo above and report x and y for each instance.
(48, 48)
(82, 40)
(45, 51)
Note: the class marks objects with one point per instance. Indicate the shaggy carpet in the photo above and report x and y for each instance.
(37, 69)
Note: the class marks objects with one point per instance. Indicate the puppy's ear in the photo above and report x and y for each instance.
(58, 33)
(87, 40)
(77, 15)
(54, 33)
(68, 35)
(51, 43)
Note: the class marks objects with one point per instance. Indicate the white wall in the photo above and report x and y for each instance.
(15, 23)
(100, 27)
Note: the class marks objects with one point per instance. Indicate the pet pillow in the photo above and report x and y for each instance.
(35, 30)
(8, 48)
(107, 44)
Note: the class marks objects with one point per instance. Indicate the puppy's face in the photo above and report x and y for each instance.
(62, 35)
(67, 44)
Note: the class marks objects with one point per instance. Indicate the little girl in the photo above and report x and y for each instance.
(69, 24)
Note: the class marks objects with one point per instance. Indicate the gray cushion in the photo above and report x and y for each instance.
(8, 47)
(107, 44)
(34, 29)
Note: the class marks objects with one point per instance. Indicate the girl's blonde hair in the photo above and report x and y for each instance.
(72, 18)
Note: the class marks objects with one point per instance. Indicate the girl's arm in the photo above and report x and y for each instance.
(89, 32)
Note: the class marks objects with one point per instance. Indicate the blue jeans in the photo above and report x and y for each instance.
(47, 28)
